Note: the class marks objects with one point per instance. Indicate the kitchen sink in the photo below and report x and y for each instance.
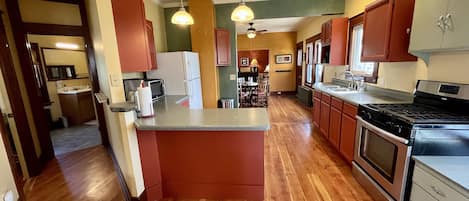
(342, 90)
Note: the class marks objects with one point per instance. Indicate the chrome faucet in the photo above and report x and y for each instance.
(354, 83)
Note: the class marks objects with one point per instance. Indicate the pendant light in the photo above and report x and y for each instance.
(182, 17)
(242, 13)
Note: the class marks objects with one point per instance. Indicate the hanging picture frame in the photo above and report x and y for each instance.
(283, 59)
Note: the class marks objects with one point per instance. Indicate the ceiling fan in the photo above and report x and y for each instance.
(251, 33)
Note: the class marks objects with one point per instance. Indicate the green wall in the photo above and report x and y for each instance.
(228, 88)
(178, 38)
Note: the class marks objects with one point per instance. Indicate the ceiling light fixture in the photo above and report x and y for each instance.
(182, 17)
(251, 34)
(242, 13)
(67, 46)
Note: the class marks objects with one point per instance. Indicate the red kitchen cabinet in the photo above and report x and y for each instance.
(334, 41)
(386, 31)
(316, 111)
(335, 122)
(348, 131)
(223, 47)
(132, 36)
(151, 44)
(324, 120)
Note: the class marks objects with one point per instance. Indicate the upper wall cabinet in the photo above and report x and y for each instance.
(334, 41)
(132, 32)
(223, 47)
(439, 25)
(386, 31)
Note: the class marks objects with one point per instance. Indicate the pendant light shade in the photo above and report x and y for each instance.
(242, 13)
(251, 34)
(182, 17)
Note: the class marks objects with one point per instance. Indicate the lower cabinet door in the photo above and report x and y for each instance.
(347, 137)
(324, 122)
(316, 111)
(334, 127)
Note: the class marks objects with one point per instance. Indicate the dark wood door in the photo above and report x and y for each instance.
(347, 137)
(151, 45)
(223, 47)
(316, 111)
(377, 30)
(131, 33)
(335, 125)
(324, 121)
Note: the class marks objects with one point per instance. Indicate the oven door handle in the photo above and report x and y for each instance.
(383, 133)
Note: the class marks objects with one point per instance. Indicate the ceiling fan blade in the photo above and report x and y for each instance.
(264, 30)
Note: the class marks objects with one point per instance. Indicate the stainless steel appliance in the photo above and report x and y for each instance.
(436, 123)
(131, 85)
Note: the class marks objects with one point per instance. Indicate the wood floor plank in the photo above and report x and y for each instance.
(84, 175)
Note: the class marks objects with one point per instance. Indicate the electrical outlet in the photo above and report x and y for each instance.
(232, 77)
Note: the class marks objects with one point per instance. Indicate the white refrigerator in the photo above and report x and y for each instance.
(181, 74)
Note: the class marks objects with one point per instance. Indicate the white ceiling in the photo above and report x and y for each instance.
(273, 25)
(177, 3)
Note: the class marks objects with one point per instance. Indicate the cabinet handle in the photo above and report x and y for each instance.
(437, 191)
(448, 22)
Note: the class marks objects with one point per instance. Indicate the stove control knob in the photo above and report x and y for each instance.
(399, 128)
(369, 115)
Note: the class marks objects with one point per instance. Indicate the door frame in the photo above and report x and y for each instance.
(20, 31)
(16, 102)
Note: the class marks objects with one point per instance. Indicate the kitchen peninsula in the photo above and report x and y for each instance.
(202, 153)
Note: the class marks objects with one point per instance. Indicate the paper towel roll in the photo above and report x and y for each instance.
(145, 101)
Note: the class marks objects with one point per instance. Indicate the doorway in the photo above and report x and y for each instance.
(61, 67)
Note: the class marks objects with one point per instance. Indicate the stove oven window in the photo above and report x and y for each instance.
(379, 153)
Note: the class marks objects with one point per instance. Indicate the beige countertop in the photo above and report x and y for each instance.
(454, 168)
(171, 115)
(374, 96)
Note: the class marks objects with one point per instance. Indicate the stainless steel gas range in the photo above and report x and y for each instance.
(436, 123)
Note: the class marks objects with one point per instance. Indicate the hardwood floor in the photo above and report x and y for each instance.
(84, 175)
(300, 164)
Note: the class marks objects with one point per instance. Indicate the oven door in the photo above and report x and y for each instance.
(383, 156)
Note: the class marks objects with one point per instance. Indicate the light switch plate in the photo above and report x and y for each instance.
(232, 76)
(116, 80)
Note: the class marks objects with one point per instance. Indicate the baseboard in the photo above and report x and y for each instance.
(122, 183)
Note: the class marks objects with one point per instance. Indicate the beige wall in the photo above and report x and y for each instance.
(276, 43)
(122, 133)
(40, 11)
(7, 181)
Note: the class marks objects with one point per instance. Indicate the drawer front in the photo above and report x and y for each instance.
(350, 109)
(326, 98)
(435, 186)
(317, 94)
(418, 194)
(337, 103)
